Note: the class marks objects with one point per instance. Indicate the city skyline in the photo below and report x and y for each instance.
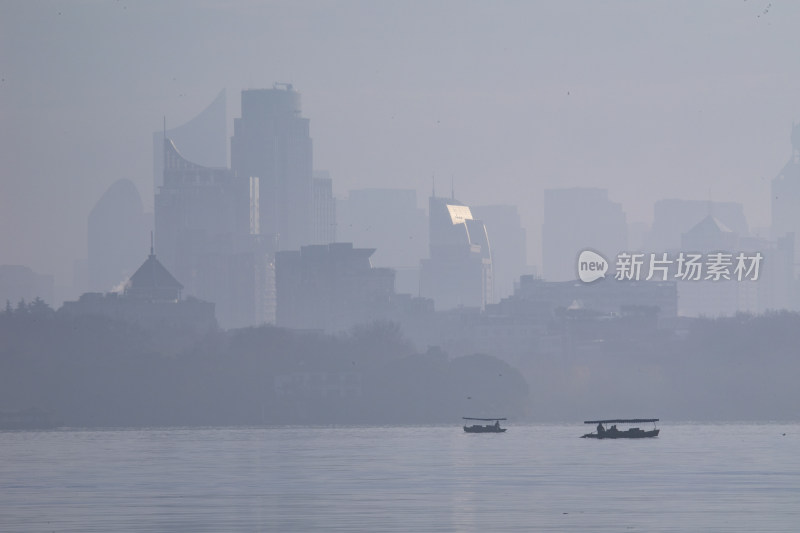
(260, 260)
(663, 104)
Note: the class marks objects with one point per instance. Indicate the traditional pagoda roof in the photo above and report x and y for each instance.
(152, 279)
(709, 225)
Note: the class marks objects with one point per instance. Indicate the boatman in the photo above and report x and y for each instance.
(600, 429)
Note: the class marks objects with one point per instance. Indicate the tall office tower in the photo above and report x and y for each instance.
(117, 230)
(575, 220)
(271, 142)
(207, 235)
(204, 139)
(390, 221)
(324, 209)
(459, 270)
(786, 195)
(509, 246)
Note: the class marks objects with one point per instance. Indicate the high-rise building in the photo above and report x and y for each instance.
(204, 139)
(324, 209)
(458, 272)
(575, 220)
(786, 195)
(271, 142)
(509, 246)
(390, 221)
(207, 222)
(116, 225)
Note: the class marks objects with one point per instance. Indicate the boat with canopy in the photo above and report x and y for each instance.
(612, 432)
(484, 428)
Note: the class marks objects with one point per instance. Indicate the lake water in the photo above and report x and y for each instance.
(719, 477)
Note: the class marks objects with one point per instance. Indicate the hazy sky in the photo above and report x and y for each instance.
(648, 99)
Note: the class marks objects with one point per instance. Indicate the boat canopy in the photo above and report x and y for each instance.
(621, 421)
(483, 419)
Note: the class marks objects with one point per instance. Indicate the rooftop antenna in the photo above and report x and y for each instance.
(152, 247)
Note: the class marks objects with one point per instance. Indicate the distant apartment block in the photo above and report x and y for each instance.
(330, 287)
(538, 298)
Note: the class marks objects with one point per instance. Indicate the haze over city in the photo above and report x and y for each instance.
(409, 184)
(399, 265)
(649, 100)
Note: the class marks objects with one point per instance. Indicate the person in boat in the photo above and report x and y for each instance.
(496, 424)
(600, 429)
(613, 428)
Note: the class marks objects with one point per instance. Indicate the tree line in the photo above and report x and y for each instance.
(91, 371)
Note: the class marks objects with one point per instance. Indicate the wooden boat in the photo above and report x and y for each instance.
(614, 433)
(484, 428)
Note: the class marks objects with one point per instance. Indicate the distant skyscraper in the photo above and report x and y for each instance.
(459, 270)
(207, 234)
(324, 209)
(117, 229)
(195, 204)
(271, 142)
(786, 195)
(509, 248)
(204, 139)
(578, 219)
(390, 221)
